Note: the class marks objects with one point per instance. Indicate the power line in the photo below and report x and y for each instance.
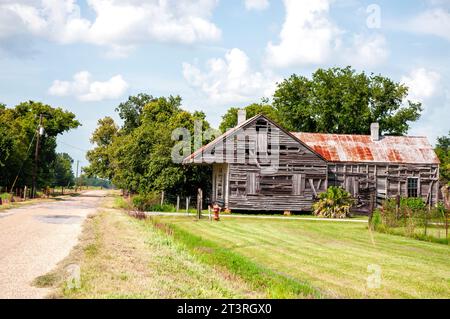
(36, 156)
(75, 147)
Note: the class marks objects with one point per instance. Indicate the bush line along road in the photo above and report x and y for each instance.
(178, 257)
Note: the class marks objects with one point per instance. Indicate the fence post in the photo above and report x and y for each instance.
(178, 203)
(397, 206)
(371, 206)
(25, 193)
(446, 195)
(187, 205)
(199, 203)
(162, 198)
(446, 224)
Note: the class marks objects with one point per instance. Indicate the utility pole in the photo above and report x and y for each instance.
(76, 178)
(36, 156)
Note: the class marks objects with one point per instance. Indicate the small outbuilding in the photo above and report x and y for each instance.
(260, 166)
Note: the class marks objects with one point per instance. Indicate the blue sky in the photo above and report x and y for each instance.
(88, 55)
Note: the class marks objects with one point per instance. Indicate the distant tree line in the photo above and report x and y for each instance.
(84, 180)
(136, 156)
(19, 127)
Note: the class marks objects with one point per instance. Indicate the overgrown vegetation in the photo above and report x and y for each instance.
(137, 157)
(443, 152)
(62, 171)
(411, 217)
(334, 203)
(18, 127)
(343, 101)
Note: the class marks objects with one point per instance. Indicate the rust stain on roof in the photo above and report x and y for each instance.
(361, 148)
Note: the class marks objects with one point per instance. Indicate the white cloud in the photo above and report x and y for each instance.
(422, 83)
(84, 89)
(434, 122)
(307, 35)
(256, 4)
(118, 24)
(433, 21)
(230, 80)
(367, 51)
(425, 86)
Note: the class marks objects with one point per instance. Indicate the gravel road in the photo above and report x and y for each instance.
(34, 238)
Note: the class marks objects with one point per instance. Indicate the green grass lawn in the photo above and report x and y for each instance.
(332, 258)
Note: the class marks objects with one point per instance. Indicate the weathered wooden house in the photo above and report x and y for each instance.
(259, 166)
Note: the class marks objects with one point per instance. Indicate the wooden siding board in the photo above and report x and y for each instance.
(290, 188)
(275, 192)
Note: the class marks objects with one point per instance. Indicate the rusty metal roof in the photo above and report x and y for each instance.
(361, 148)
(348, 148)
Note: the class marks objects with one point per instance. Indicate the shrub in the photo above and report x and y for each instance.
(334, 203)
(412, 218)
(145, 202)
(414, 203)
(139, 202)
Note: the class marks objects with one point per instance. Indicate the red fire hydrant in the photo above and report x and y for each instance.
(216, 209)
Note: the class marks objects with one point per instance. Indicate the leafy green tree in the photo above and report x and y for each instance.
(107, 129)
(6, 146)
(443, 152)
(6, 140)
(99, 157)
(19, 125)
(229, 120)
(339, 100)
(131, 110)
(139, 159)
(62, 170)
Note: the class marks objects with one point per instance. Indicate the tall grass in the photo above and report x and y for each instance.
(412, 218)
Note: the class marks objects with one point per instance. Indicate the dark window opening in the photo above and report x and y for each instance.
(413, 186)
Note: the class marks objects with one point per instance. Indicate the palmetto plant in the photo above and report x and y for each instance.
(334, 203)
